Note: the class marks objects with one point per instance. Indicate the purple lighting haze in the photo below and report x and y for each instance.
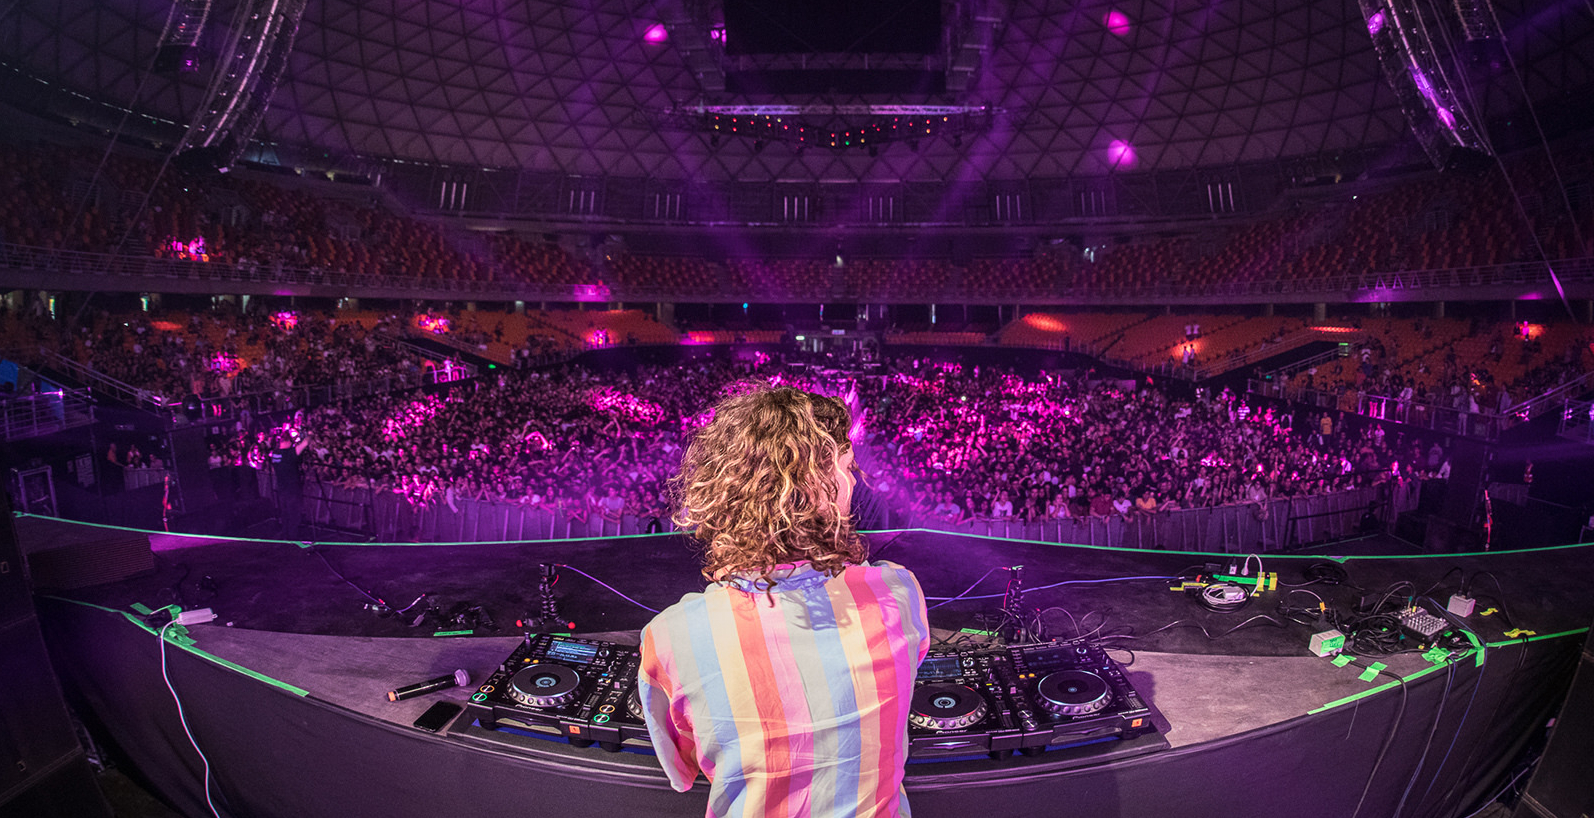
(1116, 22)
(1446, 117)
(656, 33)
(1375, 23)
(1120, 154)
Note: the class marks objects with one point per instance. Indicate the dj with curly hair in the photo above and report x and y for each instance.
(787, 683)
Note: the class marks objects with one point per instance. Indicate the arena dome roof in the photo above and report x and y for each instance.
(575, 88)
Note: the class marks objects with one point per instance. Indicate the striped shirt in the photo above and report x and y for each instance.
(795, 708)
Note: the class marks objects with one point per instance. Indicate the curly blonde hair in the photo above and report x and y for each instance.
(758, 485)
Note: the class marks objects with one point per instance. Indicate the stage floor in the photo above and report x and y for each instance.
(297, 656)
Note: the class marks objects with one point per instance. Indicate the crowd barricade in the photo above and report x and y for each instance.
(387, 516)
(1274, 525)
(139, 478)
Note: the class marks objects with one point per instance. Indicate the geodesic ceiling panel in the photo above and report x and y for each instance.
(567, 87)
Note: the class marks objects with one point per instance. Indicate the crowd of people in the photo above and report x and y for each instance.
(219, 354)
(941, 442)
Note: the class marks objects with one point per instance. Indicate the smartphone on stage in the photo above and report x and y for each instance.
(436, 716)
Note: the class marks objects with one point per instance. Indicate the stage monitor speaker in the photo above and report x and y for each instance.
(1431, 497)
(35, 732)
(15, 600)
(1468, 460)
(1448, 536)
(191, 460)
(42, 768)
(1561, 787)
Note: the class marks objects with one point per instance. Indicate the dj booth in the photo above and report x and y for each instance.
(1248, 723)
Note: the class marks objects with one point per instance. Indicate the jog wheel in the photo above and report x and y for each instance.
(944, 707)
(633, 704)
(1073, 693)
(544, 686)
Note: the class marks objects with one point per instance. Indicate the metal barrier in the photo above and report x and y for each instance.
(1275, 525)
(389, 517)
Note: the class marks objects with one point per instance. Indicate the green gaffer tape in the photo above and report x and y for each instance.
(253, 674)
(1503, 643)
(1372, 690)
(1342, 660)
(1371, 672)
(453, 633)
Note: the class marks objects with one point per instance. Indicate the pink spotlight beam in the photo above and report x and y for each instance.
(656, 33)
(1116, 22)
(1120, 154)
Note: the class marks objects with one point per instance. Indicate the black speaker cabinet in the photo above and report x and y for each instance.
(43, 772)
(66, 791)
(1561, 787)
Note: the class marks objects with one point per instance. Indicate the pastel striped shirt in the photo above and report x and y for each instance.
(796, 708)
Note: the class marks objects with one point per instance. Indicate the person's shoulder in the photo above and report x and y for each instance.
(684, 609)
(886, 570)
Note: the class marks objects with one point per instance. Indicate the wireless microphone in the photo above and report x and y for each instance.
(458, 677)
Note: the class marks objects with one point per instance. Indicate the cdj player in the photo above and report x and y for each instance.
(961, 706)
(580, 689)
(1024, 697)
(979, 700)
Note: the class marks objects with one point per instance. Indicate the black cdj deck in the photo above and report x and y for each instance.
(988, 700)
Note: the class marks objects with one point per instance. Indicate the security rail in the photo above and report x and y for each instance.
(25, 416)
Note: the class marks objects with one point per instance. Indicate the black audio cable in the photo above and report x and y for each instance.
(1185, 623)
(316, 549)
(1427, 744)
(1505, 612)
(607, 586)
(1389, 738)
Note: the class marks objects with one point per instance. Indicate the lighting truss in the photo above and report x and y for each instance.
(790, 124)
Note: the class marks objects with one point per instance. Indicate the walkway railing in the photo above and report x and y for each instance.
(1577, 420)
(309, 397)
(26, 416)
(1539, 404)
(1444, 419)
(1516, 277)
(262, 402)
(103, 383)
